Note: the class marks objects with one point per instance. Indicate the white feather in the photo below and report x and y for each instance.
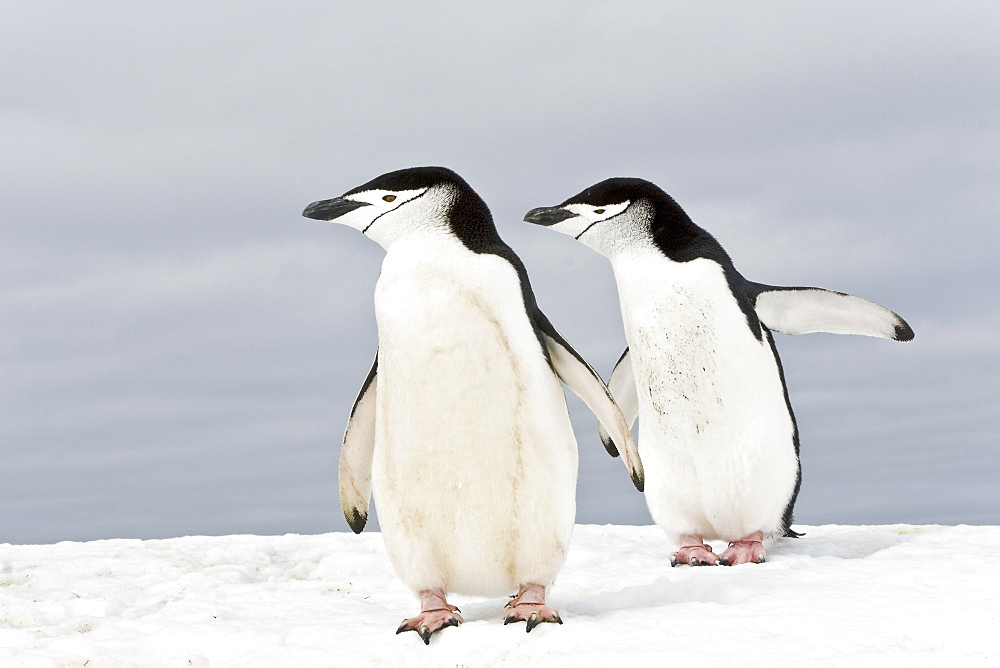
(475, 460)
(715, 431)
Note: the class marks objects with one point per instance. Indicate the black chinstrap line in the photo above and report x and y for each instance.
(395, 208)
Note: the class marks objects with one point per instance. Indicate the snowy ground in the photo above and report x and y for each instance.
(843, 595)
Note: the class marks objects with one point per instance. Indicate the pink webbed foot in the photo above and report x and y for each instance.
(529, 606)
(694, 553)
(746, 550)
(435, 614)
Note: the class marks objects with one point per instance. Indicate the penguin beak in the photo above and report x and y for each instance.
(329, 209)
(548, 215)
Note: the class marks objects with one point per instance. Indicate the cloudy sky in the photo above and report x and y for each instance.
(180, 348)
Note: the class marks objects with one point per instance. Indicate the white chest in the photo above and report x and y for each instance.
(697, 365)
(470, 419)
(440, 306)
(716, 436)
(460, 366)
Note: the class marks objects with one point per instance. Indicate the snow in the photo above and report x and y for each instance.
(842, 595)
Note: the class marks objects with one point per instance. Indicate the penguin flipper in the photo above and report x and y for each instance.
(806, 310)
(622, 388)
(580, 377)
(356, 454)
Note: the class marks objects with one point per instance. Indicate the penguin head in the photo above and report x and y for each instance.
(406, 201)
(619, 214)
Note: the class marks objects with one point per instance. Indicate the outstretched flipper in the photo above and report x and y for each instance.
(622, 388)
(806, 310)
(356, 454)
(584, 381)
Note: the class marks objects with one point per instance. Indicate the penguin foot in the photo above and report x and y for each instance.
(746, 550)
(694, 553)
(435, 614)
(529, 606)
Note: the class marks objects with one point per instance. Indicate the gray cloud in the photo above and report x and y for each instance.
(180, 349)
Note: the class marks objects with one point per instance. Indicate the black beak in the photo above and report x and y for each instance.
(329, 209)
(548, 215)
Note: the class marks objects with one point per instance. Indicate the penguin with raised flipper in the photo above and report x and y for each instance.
(717, 434)
(461, 429)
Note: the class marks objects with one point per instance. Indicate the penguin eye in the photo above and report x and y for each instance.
(598, 211)
(389, 198)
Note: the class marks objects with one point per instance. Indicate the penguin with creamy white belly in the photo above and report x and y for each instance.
(717, 434)
(461, 429)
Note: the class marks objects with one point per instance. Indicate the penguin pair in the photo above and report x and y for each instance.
(461, 428)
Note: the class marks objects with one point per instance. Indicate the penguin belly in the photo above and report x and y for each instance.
(475, 462)
(715, 432)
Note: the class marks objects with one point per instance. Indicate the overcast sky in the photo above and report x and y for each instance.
(180, 348)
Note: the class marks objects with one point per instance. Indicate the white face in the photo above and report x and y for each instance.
(387, 215)
(377, 203)
(608, 229)
(587, 216)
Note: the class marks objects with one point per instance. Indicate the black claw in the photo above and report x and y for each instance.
(558, 619)
(761, 560)
(425, 633)
(533, 621)
(509, 619)
(451, 622)
(402, 627)
(696, 562)
(724, 562)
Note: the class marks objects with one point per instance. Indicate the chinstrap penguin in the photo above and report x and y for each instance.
(461, 428)
(717, 434)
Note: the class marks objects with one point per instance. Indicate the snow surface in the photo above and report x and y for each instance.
(842, 595)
